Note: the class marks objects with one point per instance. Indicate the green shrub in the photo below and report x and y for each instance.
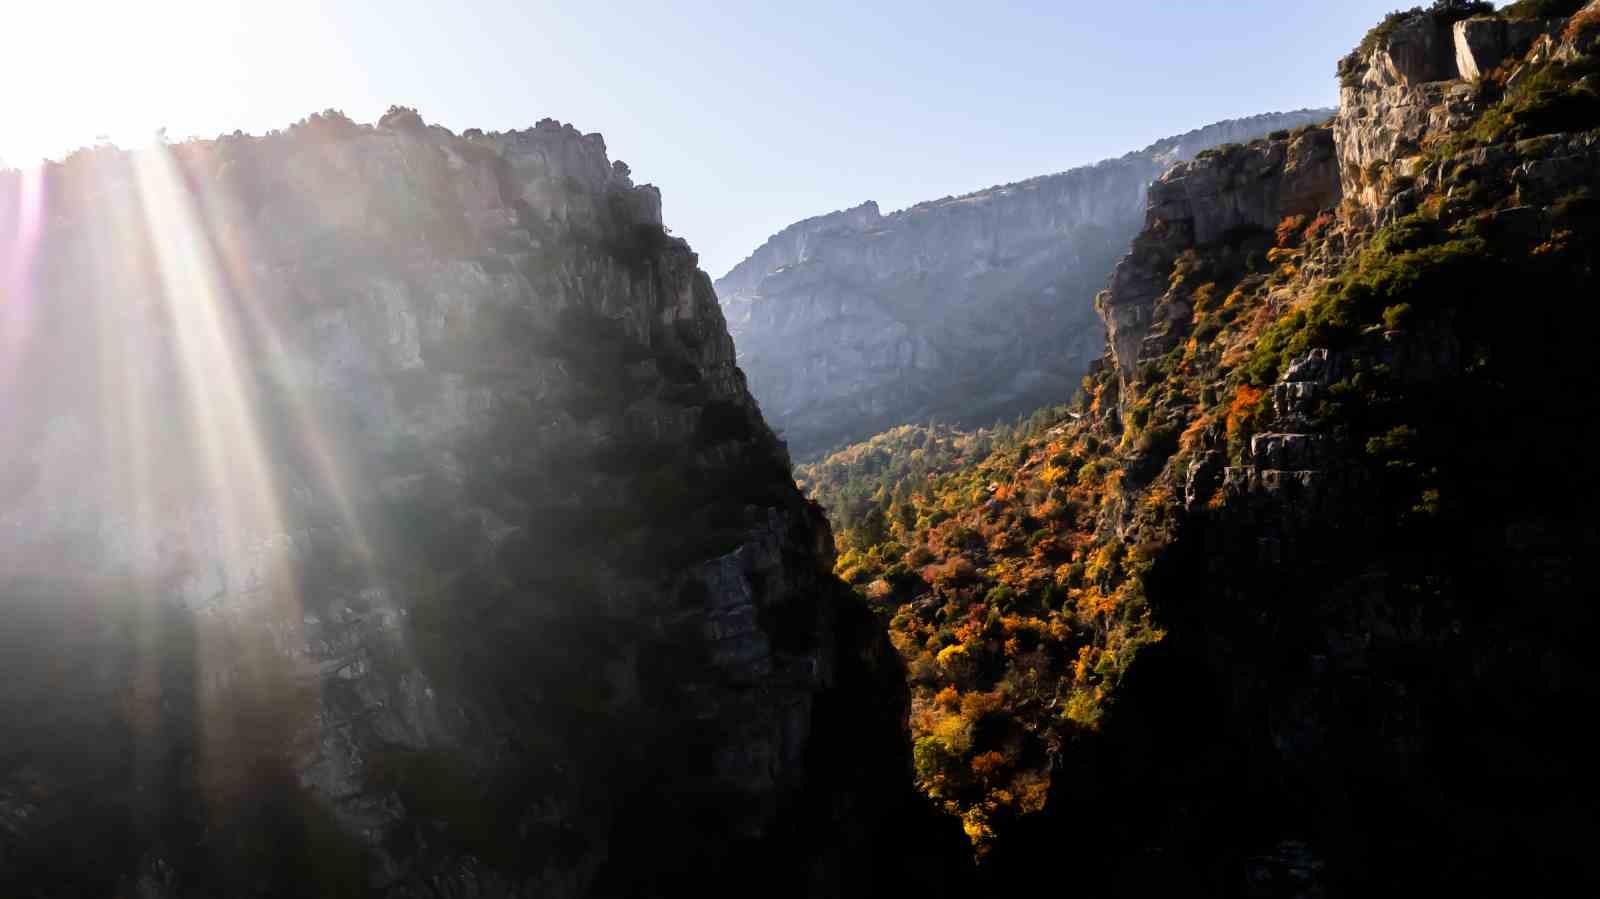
(1001, 597)
(1399, 268)
(1397, 317)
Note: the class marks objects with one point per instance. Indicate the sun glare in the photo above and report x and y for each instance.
(80, 72)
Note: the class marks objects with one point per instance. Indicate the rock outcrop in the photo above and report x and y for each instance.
(385, 514)
(969, 309)
(1482, 43)
(1230, 195)
(1418, 79)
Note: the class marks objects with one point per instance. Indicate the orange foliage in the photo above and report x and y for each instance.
(1289, 230)
(948, 699)
(1051, 509)
(1319, 226)
(1032, 791)
(1586, 22)
(1189, 441)
(974, 706)
(986, 764)
(1246, 404)
(969, 630)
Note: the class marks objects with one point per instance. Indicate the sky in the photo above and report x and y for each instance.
(748, 115)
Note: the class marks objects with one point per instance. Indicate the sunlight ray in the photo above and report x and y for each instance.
(220, 397)
(232, 237)
(16, 289)
(130, 444)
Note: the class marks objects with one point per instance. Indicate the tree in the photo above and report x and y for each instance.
(402, 118)
(873, 529)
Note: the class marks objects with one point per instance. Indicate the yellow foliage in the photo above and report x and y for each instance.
(976, 825)
(1158, 497)
(1084, 663)
(1101, 562)
(1060, 631)
(955, 732)
(1094, 603)
(1083, 706)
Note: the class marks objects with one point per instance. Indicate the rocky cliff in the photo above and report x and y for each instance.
(1295, 603)
(969, 309)
(384, 514)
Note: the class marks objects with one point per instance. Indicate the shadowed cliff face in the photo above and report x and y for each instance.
(969, 309)
(384, 513)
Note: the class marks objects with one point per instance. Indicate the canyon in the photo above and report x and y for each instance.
(386, 512)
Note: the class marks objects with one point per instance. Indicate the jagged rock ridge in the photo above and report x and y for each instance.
(385, 515)
(969, 309)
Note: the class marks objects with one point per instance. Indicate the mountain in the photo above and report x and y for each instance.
(1295, 600)
(384, 514)
(968, 309)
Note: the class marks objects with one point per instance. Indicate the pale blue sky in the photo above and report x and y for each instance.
(748, 115)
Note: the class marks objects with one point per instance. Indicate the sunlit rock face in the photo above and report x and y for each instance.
(1199, 203)
(966, 309)
(384, 514)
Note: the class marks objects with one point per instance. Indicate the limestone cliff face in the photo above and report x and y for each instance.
(1416, 81)
(968, 308)
(384, 513)
(1233, 191)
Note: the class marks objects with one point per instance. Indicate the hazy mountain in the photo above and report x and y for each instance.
(968, 309)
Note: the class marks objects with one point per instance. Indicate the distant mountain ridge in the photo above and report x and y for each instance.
(854, 321)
